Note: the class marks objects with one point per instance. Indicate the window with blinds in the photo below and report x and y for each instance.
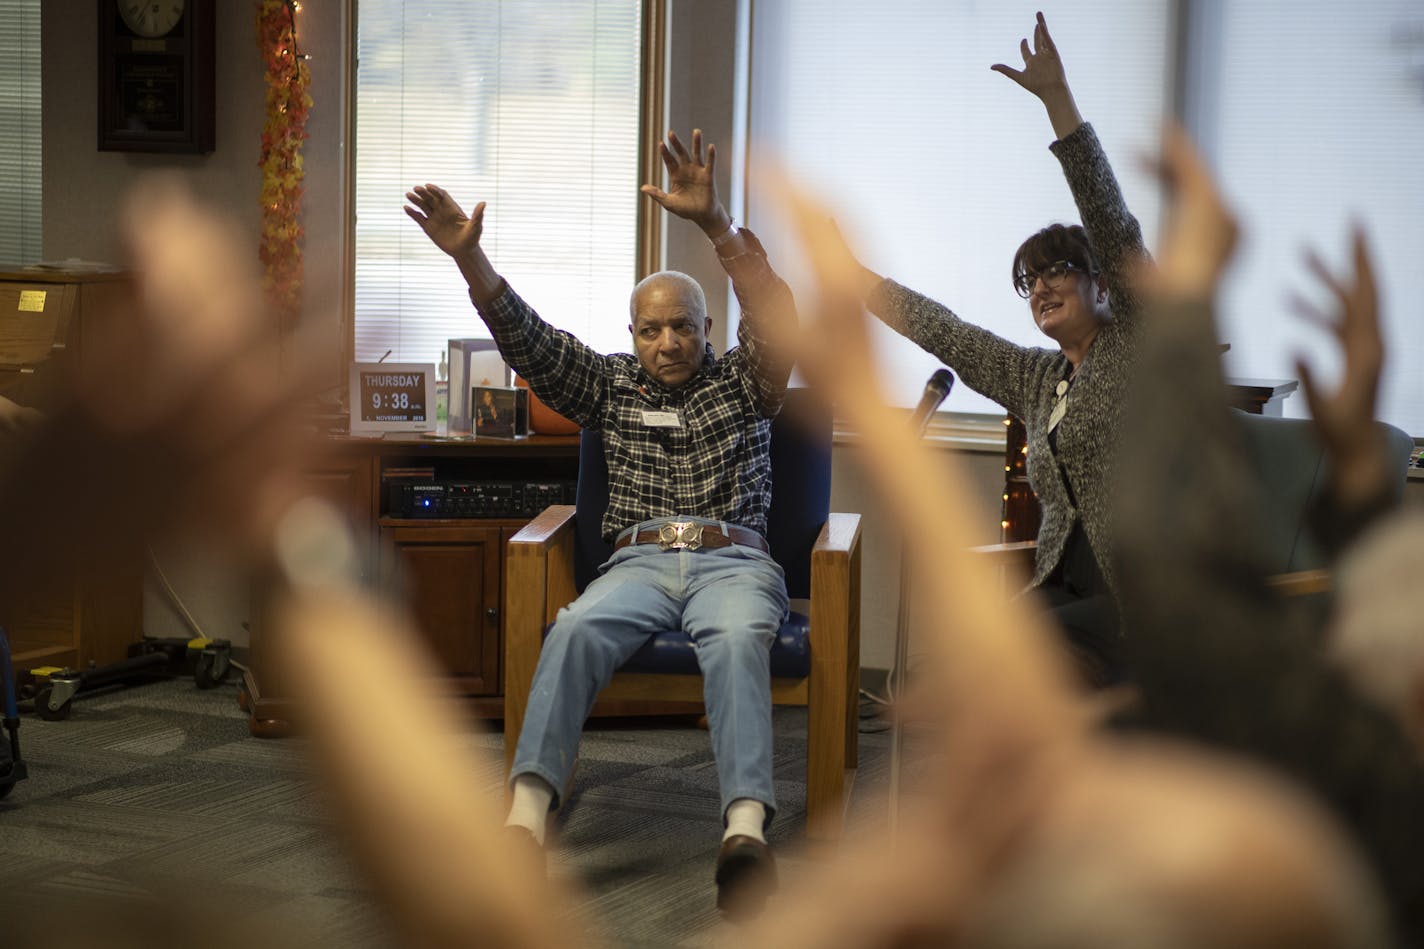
(937, 168)
(528, 105)
(20, 151)
(1314, 120)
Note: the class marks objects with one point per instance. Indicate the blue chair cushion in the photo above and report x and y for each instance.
(672, 652)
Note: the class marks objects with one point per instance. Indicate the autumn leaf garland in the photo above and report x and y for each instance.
(288, 103)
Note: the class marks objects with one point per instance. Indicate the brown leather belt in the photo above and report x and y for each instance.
(692, 535)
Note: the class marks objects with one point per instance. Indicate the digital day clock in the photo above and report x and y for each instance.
(392, 397)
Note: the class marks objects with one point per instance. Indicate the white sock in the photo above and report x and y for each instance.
(747, 817)
(530, 809)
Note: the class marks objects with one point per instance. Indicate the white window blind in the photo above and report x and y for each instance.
(20, 168)
(1315, 120)
(529, 105)
(937, 167)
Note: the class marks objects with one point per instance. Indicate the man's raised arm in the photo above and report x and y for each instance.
(562, 371)
(458, 235)
(767, 329)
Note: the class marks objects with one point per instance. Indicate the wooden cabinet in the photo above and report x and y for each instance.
(347, 479)
(49, 322)
(448, 571)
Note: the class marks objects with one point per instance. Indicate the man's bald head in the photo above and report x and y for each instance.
(669, 326)
(674, 283)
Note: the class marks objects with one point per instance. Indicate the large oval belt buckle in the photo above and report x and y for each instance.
(680, 535)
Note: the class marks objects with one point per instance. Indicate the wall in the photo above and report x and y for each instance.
(83, 187)
(701, 58)
(882, 543)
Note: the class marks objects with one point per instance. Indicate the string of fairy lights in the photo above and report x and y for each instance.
(288, 101)
(1018, 516)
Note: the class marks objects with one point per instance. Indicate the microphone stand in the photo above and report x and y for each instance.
(936, 390)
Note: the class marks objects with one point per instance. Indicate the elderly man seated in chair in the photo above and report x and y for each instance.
(686, 438)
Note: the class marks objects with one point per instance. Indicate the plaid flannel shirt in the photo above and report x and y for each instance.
(717, 464)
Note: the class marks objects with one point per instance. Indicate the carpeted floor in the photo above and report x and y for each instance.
(152, 806)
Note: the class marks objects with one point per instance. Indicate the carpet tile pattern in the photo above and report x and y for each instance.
(152, 817)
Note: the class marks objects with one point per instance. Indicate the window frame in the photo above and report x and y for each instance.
(649, 251)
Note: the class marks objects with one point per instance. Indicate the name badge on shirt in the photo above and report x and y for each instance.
(661, 419)
(1059, 411)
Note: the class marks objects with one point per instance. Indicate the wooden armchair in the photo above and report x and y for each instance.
(815, 661)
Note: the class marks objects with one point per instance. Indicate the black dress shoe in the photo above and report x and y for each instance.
(746, 875)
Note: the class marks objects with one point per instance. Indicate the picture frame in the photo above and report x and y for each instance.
(392, 397)
(472, 362)
(500, 411)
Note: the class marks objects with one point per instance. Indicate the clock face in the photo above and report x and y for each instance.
(151, 17)
(393, 396)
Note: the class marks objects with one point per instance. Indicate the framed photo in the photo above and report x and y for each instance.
(500, 411)
(473, 362)
(392, 397)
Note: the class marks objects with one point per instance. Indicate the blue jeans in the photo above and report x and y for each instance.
(731, 601)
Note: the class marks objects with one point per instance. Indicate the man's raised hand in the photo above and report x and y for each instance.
(443, 221)
(692, 185)
(458, 235)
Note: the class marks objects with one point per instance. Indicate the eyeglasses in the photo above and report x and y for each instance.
(1052, 276)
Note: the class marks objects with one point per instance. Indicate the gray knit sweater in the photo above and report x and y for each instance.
(1022, 378)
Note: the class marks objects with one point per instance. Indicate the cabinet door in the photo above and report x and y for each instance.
(348, 483)
(449, 574)
(345, 481)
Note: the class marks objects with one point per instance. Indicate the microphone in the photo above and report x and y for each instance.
(936, 391)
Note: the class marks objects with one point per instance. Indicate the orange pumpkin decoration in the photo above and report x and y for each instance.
(542, 419)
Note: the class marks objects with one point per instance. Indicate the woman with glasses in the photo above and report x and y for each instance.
(1076, 281)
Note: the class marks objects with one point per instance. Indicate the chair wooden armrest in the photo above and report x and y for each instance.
(1302, 582)
(1013, 562)
(1019, 552)
(546, 525)
(832, 729)
(538, 582)
(1296, 583)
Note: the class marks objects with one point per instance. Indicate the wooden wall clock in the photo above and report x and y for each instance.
(156, 77)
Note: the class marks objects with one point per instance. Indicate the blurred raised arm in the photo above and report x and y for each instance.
(1361, 475)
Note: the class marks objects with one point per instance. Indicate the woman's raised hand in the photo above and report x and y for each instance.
(1043, 70)
(1043, 75)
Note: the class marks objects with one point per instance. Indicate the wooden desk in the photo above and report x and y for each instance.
(1260, 396)
(48, 320)
(450, 571)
